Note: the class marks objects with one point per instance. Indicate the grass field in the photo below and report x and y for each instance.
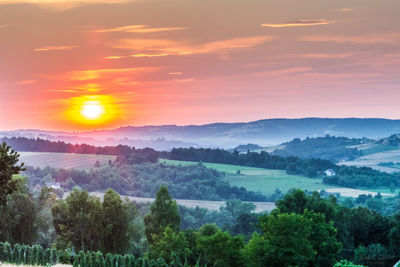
(62, 160)
(260, 180)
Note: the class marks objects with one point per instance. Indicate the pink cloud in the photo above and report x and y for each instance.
(360, 39)
(298, 23)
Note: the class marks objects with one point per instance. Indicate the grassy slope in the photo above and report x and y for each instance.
(62, 160)
(260, 180)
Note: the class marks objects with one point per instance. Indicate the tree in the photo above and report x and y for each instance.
(287, 239)
(78, 221)
(19, 215)
(163, 213)
(293, 240)
(217, 248)
(8, 167)
(171, 246)
(115, 223)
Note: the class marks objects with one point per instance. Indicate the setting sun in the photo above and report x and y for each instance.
(92, 110)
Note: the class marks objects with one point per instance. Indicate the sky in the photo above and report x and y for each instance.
(94, 64)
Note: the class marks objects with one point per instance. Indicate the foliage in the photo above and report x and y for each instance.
(164, 213)
(345, 263)
(8, 167)
(86, 223)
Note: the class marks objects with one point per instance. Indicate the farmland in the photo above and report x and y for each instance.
(372, 160)
(63, 160)
(189, 203)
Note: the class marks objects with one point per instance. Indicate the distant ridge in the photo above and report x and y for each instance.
(228, 135)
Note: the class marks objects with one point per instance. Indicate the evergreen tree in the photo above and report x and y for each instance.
(164, 212)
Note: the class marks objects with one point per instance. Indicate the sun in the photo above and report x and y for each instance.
(88, 111)
(92, 110)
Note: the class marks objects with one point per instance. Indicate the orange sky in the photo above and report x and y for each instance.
(191, 62)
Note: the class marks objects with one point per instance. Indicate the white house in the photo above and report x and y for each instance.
(329, 172)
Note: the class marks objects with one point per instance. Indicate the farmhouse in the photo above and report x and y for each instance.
(329, 172)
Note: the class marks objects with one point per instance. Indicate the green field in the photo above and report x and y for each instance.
(63, 160)
(260, 180)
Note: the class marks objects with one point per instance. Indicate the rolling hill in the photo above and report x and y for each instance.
(227, 135)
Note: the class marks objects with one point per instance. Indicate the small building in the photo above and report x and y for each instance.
(53, 185)
(329, 172)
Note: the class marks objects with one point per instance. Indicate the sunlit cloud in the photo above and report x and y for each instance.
(175, 73)
(345, 9)
(26, 82)
(286, 71)
(170, 47)
(298, 23)
(140, 29)
(3, 25)
(149, 55)
(323, 56)
(55, 48)
(361, 39)
(84, 75)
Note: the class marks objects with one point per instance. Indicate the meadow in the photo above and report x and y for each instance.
(63, 160)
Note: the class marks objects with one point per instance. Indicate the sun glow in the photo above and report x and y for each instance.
(92, 110)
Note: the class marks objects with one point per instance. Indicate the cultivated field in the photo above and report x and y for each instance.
(372, 160)
(63, 160)
(212, 205)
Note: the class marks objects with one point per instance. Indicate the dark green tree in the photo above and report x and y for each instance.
(115, 223)
(8, 167)
(163, 213)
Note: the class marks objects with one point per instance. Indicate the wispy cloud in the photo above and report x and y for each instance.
(286, 71)
(83, 75)
(360, 39)
(323, 55)
(26, 82)
(138, 55)
(55, 48)
(175, 73)
(140, 29)
(3, 25)
(298, 23)
(170, 47)
(345, 9)
(149, 55)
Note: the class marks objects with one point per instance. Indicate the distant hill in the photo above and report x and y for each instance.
(227, 135)
(329, 147)
(245, 148)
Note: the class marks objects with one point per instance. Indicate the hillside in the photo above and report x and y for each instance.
(227, 135)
